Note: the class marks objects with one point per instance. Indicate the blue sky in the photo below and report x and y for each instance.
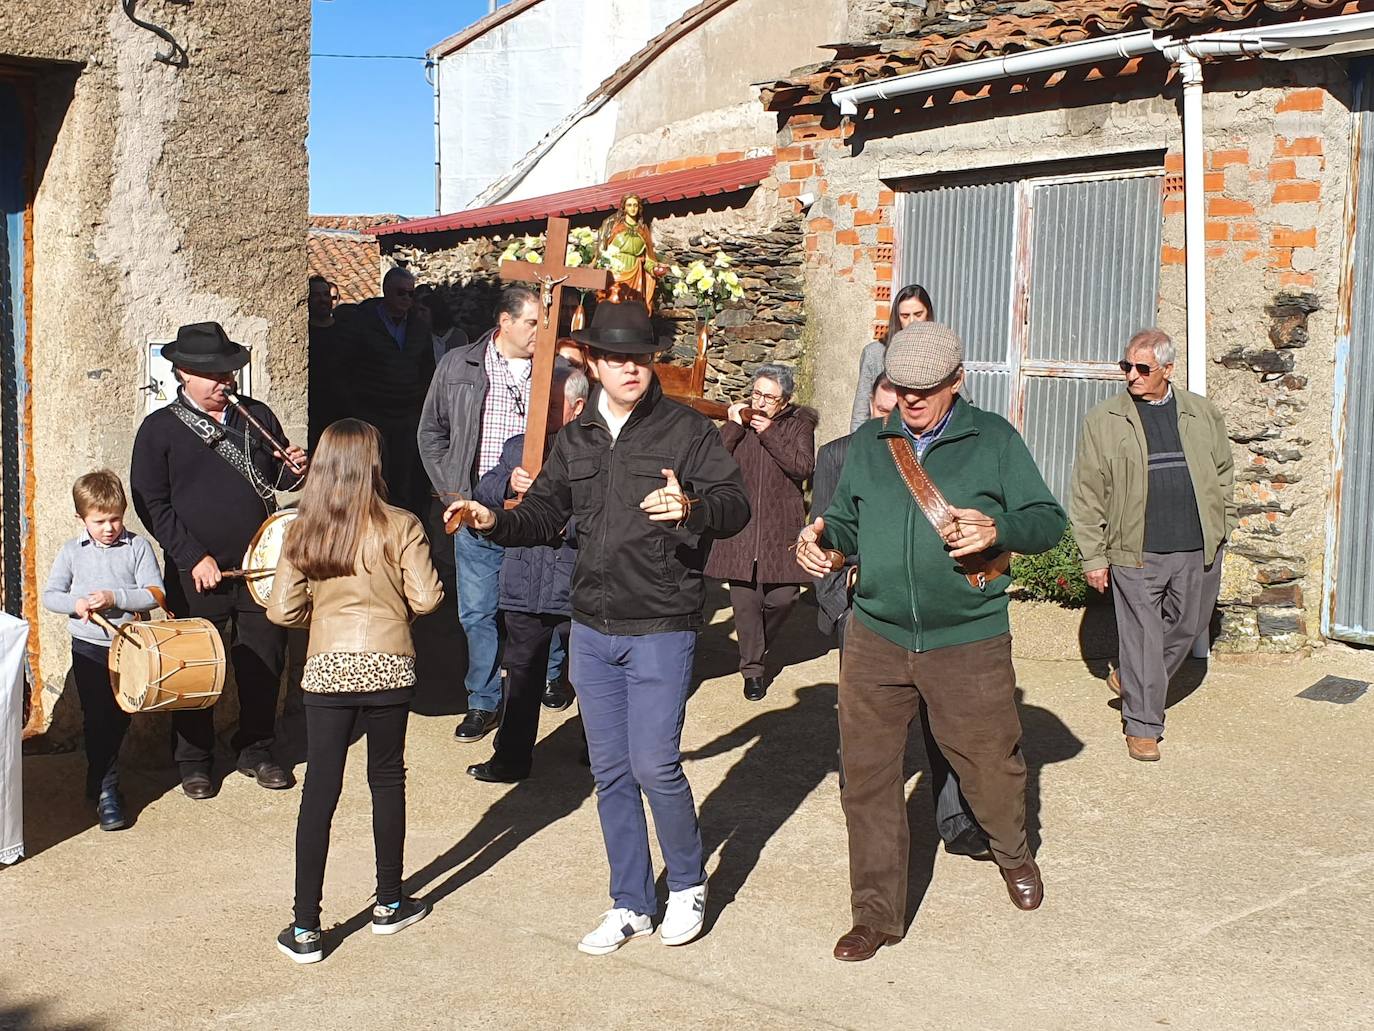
(372, 122)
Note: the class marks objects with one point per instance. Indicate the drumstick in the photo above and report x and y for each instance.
(267, 434)
(112, 630)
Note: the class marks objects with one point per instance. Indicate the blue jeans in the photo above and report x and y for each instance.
(632, 692)
(557, 656)
(479, 592)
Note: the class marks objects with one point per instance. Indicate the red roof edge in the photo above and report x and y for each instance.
(670, 186)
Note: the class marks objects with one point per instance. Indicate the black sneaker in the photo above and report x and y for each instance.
(301, 946)
(477, 724)
(556, 697)
(386, 920)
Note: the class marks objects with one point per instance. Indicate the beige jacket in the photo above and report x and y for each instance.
(393, 582)
(1111, 477)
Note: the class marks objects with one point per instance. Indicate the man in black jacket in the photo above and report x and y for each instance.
(203, 482)
(651, 487)
(386, 360)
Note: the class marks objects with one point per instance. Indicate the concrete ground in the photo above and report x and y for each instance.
(1228, 886)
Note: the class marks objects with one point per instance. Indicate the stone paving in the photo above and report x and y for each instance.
(1225, 887)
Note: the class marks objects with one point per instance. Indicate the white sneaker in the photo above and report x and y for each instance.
(685, 915)
(617, 927)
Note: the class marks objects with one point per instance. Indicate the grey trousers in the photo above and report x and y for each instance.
(1161, 609)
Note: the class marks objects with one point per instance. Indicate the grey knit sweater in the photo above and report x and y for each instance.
(127, 567)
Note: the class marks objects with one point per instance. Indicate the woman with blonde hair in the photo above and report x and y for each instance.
(356, 571)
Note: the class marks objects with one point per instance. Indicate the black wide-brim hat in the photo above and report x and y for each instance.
(621, 329)
(205, 347)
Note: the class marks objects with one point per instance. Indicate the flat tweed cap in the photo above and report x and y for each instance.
(924, 355)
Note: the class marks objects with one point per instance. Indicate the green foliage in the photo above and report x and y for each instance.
(1056, 575)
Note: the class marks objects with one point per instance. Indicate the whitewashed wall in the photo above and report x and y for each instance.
(502, 92)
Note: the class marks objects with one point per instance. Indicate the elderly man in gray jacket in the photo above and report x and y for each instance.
(1152, 505)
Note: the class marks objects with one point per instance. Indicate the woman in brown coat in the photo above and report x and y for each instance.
(774, 443)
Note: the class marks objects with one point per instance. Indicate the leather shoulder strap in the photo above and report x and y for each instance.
(927, 496)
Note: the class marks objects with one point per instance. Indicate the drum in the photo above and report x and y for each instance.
(260, 560)
(167, 664)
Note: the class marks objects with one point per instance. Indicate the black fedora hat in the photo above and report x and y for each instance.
(205, 347)
(620, 328)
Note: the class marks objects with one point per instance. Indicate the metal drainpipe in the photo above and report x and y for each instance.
(433, 69)
(1194, 217)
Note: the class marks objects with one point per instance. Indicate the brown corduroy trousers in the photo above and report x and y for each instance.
(970, 693)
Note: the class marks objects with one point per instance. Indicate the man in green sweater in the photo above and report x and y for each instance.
(923, 628)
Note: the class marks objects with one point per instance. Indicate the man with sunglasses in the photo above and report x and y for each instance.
(651, 486)
(384, 363)
(1152, 506)
(477, 402)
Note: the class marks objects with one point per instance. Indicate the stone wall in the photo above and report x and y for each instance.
(766, 326)
(1277, 163)
(161, 196)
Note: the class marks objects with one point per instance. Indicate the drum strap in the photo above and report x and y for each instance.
(213, 436)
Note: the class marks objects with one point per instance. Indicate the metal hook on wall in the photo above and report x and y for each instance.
(176, 56)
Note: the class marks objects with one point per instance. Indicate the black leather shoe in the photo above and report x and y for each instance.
(754, 688)
(555, 697)
(266, 772)
(198, 785)
(969, 842)
(493, 773)
(109, 810)
(477, 724)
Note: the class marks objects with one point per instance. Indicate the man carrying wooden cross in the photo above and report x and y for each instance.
(480, 397)
(651, 486)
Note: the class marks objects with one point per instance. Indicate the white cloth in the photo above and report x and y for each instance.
(14, 640)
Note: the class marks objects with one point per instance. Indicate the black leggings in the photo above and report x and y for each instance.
(328, 729)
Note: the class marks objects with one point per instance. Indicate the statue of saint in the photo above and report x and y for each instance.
(626, 239)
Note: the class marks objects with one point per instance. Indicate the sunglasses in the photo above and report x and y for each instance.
(1139, 367)
(619, 361)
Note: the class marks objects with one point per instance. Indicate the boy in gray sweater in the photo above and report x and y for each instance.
(109, 570)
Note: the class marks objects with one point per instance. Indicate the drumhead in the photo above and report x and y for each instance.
(264, 551)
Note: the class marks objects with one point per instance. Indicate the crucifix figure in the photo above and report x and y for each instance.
(551, 276)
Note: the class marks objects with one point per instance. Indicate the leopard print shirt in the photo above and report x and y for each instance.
(357, 672)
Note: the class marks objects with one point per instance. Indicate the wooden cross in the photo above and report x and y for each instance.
(550, 277)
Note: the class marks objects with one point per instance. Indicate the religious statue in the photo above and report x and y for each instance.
(627, 245)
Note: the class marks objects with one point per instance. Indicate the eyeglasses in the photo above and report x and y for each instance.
(404, 293)
(619, 361)
(517, 398)
(769, 399)
(1139, 367)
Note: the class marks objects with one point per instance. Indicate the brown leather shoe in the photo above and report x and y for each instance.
(862, 942)
(1146, 749)
(1024, 886)
(1114, 682)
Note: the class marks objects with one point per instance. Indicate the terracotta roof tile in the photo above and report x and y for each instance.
(997, 29)
(350, 260)
(353, 223)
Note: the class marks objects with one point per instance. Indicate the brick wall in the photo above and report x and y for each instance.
(1274, 200)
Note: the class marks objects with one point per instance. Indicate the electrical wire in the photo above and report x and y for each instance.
(375, 57)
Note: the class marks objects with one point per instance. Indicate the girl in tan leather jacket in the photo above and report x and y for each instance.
(356, 571)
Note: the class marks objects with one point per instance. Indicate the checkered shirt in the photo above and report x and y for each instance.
(503, 416)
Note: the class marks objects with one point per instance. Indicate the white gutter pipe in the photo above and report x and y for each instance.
(1194, 220)
(434, 66)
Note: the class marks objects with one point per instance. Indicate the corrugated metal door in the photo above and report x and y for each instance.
(1349, 614)
(958, 243)
(1045, 280)
(1093, 283)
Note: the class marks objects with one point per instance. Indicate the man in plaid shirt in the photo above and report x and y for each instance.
(477, 401)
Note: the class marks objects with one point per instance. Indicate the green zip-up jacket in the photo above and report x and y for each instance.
(910, 591)
(1111, 479)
